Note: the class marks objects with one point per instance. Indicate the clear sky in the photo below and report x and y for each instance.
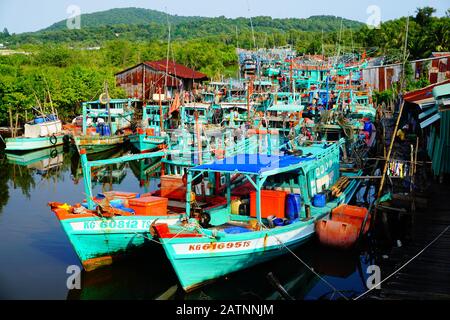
(31, 15)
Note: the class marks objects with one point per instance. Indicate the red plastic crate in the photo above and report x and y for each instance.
(149, 206)
(172, 187)
(272, 203)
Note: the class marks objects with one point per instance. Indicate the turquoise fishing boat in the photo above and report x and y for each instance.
(108, 127)
(102, 229)
(29, 144)
(209, 244)
(42, 132)
(152, 133)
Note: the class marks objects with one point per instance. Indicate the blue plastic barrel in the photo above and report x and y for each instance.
(106, 130)
(368, 127)
(39, 120)
(320, 200)
(51, 117)
(293, 206)
(278, 222)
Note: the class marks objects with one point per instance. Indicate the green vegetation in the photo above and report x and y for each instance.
(66, 64)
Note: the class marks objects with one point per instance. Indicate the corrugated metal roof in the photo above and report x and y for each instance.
(175, 69)
(422, 94)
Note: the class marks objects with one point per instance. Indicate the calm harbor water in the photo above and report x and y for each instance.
(36, 253)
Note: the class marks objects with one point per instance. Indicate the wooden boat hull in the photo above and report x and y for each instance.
(99, 242)
(199, 260)
(29, 144)
(96, 144)
(144, 143)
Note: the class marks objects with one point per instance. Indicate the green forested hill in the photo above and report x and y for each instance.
(130, 16)
(143, 24)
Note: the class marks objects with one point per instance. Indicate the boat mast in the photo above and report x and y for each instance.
(403, 84)
(199, 142)
(108, 107)
(168, 53)
(161, 120)
(251, 24)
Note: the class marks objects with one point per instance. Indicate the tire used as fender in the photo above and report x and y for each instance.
(53, 140)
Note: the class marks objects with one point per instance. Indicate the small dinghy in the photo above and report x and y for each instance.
(344, 228)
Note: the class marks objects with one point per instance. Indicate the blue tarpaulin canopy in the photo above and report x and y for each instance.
(252, 163)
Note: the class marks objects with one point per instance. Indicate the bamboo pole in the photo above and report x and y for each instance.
(161, 123)
(413, 178)
(39, 103)
(17, 124)
(49, 96)
(108, 108)
(199, 139)
(11, 122)
(383, 179)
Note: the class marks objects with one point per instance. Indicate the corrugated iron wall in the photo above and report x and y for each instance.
(382, 78)
(142, 78)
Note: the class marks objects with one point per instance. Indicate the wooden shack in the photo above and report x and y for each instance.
(144, 80)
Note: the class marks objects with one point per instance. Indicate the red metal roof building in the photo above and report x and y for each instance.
(145, 79)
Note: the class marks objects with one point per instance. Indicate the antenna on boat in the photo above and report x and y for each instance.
(237, 38)
(323, 50)
(251, 24)
(405, 55)
(108, 107)
(340, 39)
(168, 52)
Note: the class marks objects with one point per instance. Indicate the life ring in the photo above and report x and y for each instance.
(53, 153)
(104, 98)
(53, 140)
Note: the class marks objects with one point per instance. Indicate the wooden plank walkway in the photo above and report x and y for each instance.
(428, 276)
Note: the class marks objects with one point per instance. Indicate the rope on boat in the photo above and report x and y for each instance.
(306, 265)
(168, 241)
(183, 229)
(407, 263)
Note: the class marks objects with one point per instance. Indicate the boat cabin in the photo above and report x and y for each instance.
(120, 112)
(188, 113)
(151, 118)
(271, 180)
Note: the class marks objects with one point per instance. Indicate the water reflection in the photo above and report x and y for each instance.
(148, 275)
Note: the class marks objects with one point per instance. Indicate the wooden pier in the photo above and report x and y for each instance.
(427, 277)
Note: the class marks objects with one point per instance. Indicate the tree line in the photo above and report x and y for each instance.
(63, 67)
